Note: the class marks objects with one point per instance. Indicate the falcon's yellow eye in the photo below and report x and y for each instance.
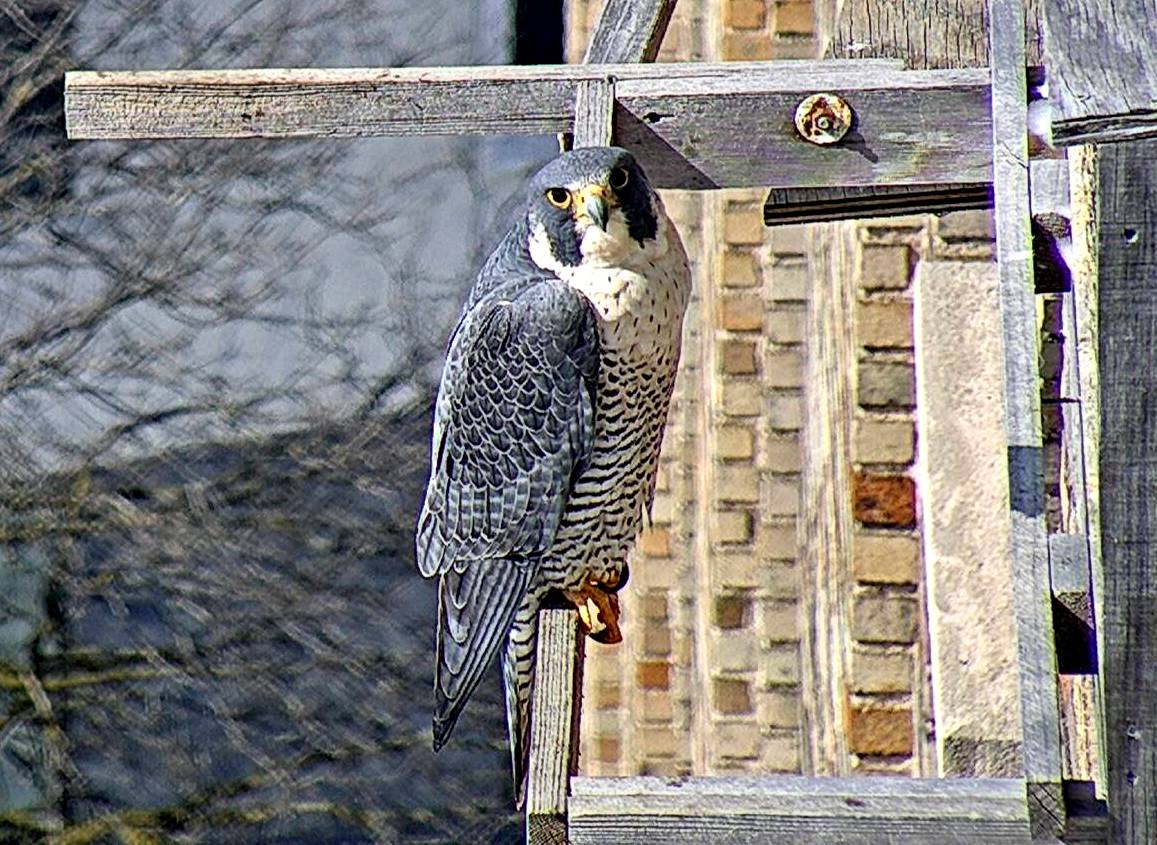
(619, 178)
(559, 197)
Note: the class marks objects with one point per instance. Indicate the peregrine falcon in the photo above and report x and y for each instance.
(548, 424)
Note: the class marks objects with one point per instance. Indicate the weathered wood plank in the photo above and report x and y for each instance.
(594, 113)
(1101, 73)
(554, 718)
(1127, 228)
(301, 102)
(824, 529)
(925, 33)
(812, 205)
(1028, 546)
(629, 31)
(716, 129)
(1080, 747)
(791, 810)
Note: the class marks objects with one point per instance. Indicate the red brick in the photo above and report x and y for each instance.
(654, 675)
(880, 732)
(884, 500)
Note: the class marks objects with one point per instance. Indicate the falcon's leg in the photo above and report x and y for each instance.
(598, 610)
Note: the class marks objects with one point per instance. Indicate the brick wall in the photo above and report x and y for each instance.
(707, 680)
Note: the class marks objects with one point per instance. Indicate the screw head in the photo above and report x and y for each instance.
(823, 119)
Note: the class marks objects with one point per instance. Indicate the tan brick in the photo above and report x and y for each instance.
(781, 753)
(738, 571)
(732, 611)
(782, 497)
(880, 732)
(884, 500)
(781, 663)
(781, 579)
(794, 18)
(789, 240)
(657, 706)
(884, 441)
(739, 269)
(656, 742)
(656, 640)
(784, 368)
(653, 607)
(737, 483)
(734, 443)
(782, 454)
(655, 542)
(752, 46)
(732, 696)
(738, 357)
(663, 509)
(736, 651)
(778, 542)
(607, 695)
(779, 708)
(967, 226)
(784, 324)
(885, 558)
(654, 674)
(885, 267)
(886, 384)
(785, 412)
(743, 223)
(788, 46)
(738, 740)
(878, 618)
(741, 312)
(781, 621)
(880, 672)
(663, 478)
(789, 282)
(607, 749)
(884, 324)
(742, 398)
(744, 14)
(731, 527)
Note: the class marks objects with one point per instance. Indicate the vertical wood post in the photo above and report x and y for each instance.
(1028, 547)
(555, 713)
(1127, 235)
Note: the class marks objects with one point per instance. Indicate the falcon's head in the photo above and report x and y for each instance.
(590, 206)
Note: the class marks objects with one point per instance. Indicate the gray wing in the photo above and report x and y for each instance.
(513, 427)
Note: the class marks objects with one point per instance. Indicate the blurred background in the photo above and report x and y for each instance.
(217, 361)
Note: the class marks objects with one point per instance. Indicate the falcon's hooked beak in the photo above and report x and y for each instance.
(593, 204)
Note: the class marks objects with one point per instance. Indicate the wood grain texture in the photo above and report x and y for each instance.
(726, 127)
(594, 113)
(1127, 230)
(797, 810)
(554, 719)
(1029, 551)
(925, 33)
(304, 102)
(629, 31)
(813, 205)
(824, 529)
(1101, 73)
(1080, 743)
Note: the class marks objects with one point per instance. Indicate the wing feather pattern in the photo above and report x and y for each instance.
(513, 427)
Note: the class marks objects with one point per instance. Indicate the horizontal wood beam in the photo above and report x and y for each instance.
(693, 125)
(811, 205)
(789, 810)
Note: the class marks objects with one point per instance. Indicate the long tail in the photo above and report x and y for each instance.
(518, 680)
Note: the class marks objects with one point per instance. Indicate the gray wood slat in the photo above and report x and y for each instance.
(629, 31)
(1101, 73)
(790, 810)
(1127, 230)
(1032, 601)
(811, 205)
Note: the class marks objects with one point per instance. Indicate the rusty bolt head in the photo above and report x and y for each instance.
(823, 118)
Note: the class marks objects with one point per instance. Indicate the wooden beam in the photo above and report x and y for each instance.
(554, 719)
(629, 31)
(594, 113)
(813, 205)
(1127, 228)
(1101, 74)
(1028, 547)
(693, 126)
(797, 810)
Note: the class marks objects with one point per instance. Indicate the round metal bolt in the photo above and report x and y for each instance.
(823, 119)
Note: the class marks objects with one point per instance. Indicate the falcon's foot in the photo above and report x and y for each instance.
(598, 611)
